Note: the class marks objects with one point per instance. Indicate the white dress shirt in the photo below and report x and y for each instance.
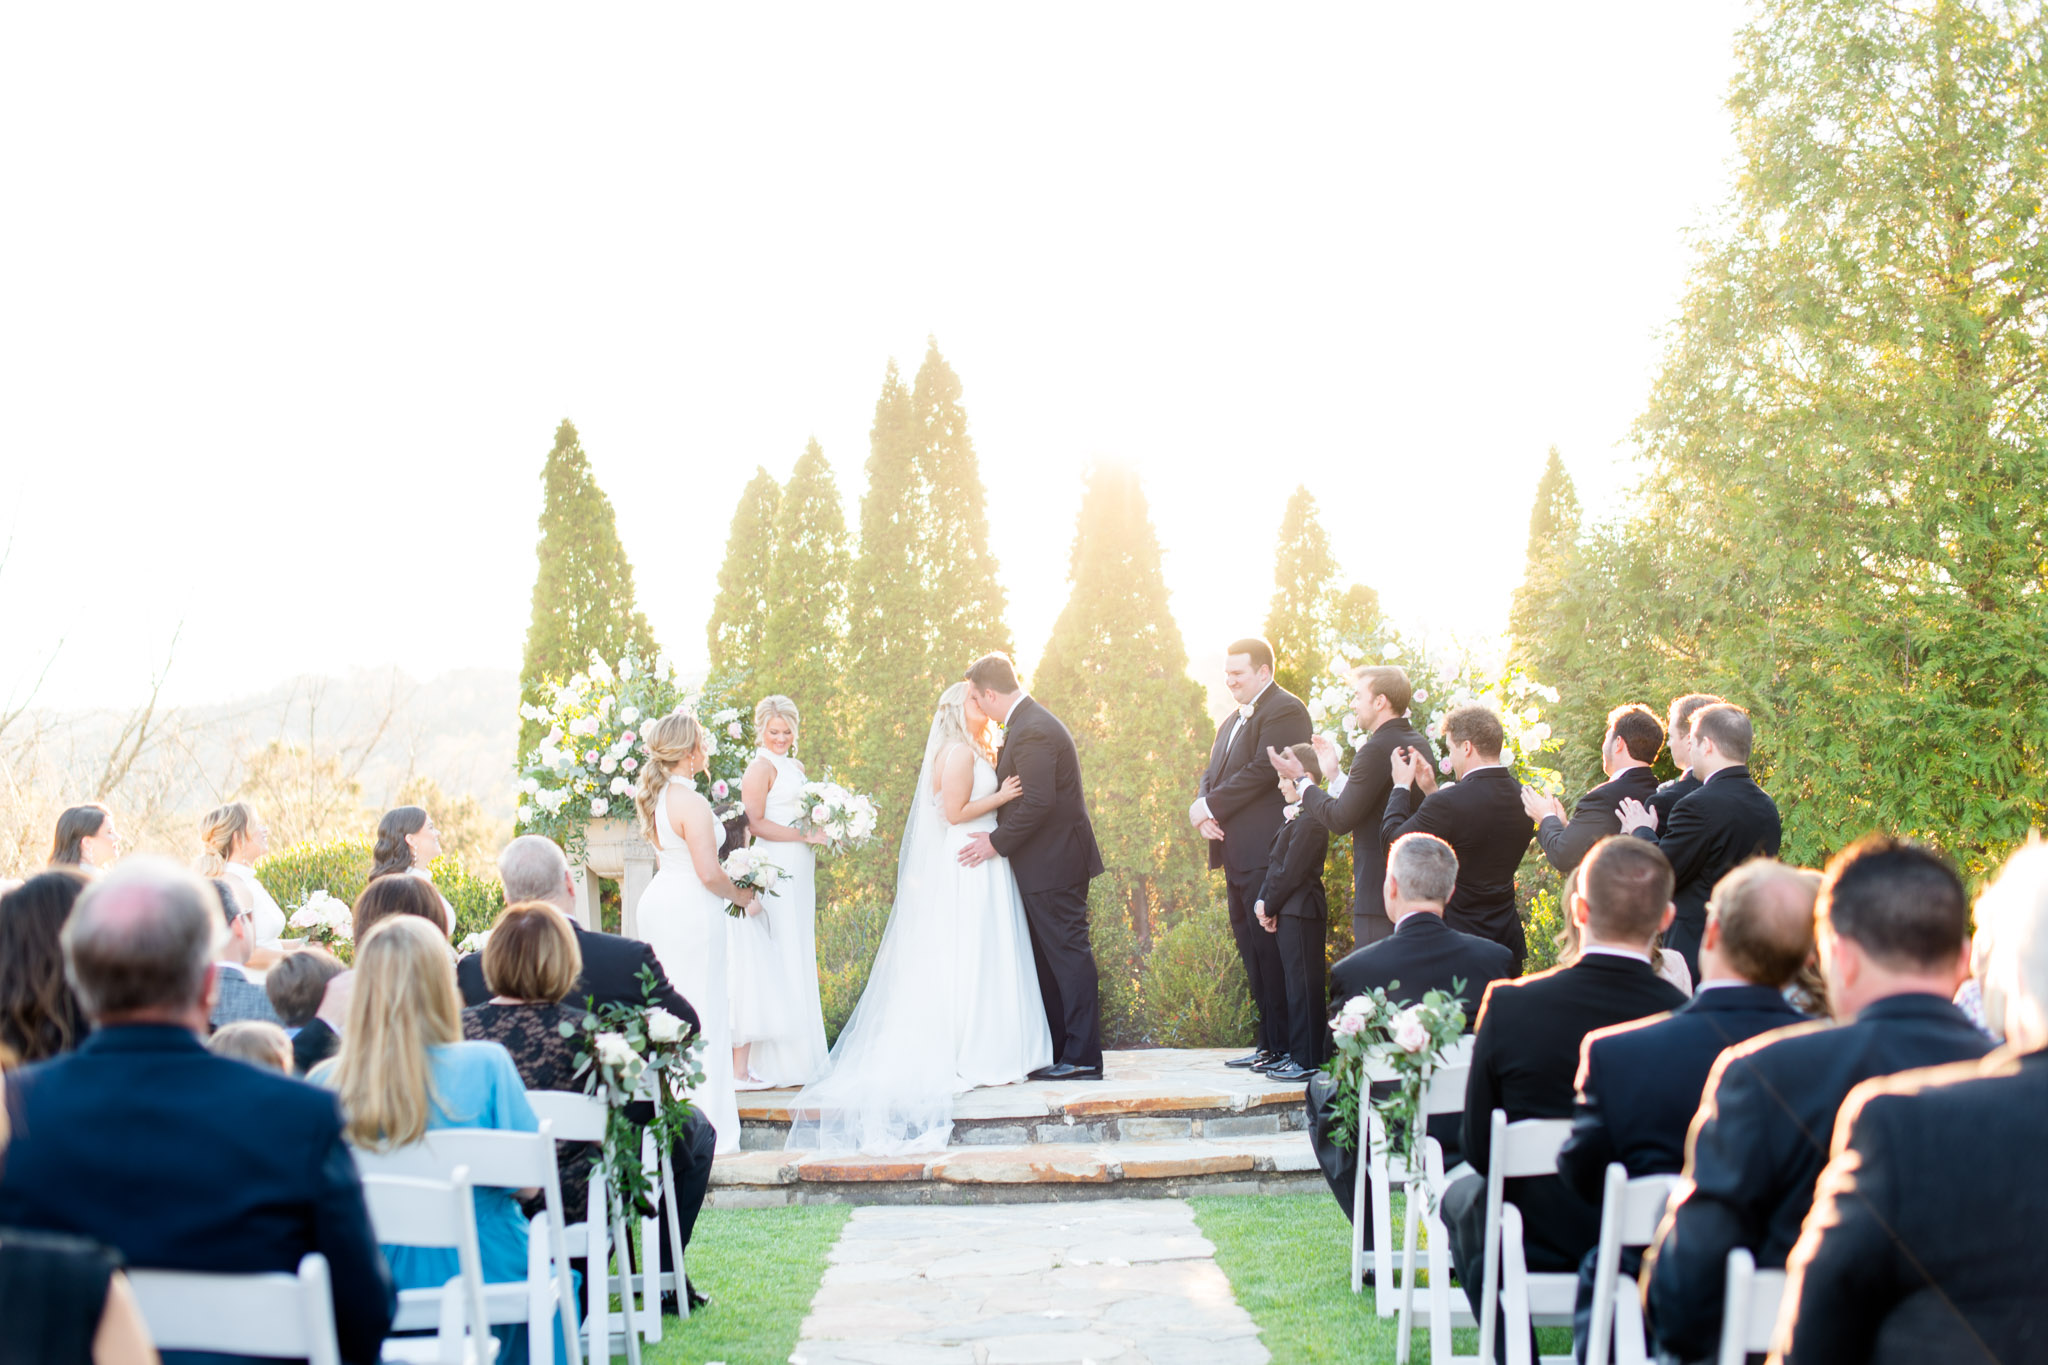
(266, 917)
(1200, 810)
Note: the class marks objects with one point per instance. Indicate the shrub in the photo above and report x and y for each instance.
(341, 868)
(1119, 965)
(1195, 992)
(477, 900)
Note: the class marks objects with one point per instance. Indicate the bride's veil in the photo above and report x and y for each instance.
(889, 1084)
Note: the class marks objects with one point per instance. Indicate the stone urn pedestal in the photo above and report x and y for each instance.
(613, 848)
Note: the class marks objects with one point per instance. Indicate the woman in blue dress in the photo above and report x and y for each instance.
(404, 1068)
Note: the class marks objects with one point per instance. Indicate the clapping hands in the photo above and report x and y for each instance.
(1539, 804)
(1407, 767)
(1635, 815)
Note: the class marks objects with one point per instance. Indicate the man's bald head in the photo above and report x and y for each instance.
(1765, 913)
(142, 940)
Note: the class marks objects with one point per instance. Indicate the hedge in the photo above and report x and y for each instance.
(341, 868)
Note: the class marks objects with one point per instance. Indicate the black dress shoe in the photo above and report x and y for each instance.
(1268, 1060)
(1252, 1058)
(697, 1301)
(1288, 1070)
(1067, 1071)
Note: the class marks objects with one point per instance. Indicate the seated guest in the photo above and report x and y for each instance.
(1421, 955)
(1679, 726)
(385, 897)
(531, 963)
(534, 869)
(1526, 1056)
(177, 1159)
(321, 1037)
(297, 983)
(1891, 921)
(237, 996)
(1292, 907)
(1480, 816)
(1729, 820)
(1918, 1250)
(231, 839)
(1631, 744)
(86, 839)
(39, 1012)
(253, 1041)
(1670, 966)
(407, 843)
(404, 1068)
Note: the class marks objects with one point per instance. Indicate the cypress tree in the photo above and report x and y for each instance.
(803, 644)
(583, 592)
(1553, 542)
(1305, 574)
(739, 616)
(967, 602)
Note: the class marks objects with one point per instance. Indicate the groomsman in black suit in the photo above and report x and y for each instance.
(1423, 954)
(1893, 920)
(1727, 821)
(1238, 810)
(1480, 815)
(1627, 750)
(1292, 908)
(1669, 794)
(1356, 805)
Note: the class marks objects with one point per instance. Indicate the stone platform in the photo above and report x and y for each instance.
(1163, 1123)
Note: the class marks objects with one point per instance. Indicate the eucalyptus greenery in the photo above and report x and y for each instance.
(636, 1053)
(1412, 1040)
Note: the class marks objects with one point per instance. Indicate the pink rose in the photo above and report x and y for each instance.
(719, 790)
(630, 764)
(626, 738)
(1409, 1034)
(1347, 1026)
(590, 757)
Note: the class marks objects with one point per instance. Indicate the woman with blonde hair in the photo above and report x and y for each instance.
(776, 1010)
(231, 839)
(404, 1068)
(682, 912)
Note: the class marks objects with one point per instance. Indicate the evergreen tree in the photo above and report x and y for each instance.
(739, 615)
(1553, 539)
(967, 617)
(1115, 670)
(1849, 438)
(804, 641)
(583, 594)
(1305, 572)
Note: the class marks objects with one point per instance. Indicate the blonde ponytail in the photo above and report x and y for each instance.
(673, 740)
(217, 834)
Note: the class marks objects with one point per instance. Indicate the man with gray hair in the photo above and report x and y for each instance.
(146, 1142)
(534, 869)
(1421, 955)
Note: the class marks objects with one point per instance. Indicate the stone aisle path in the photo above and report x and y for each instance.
(1128, 1282)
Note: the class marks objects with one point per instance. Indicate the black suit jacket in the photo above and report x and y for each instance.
(1640, 1083)
(314, 1044)
(1669, 794)
(1045, 833)
(144, 1141)
(1526, 1059)
(1593, 819)
(611, 975)
(1761, 1138)
(1915, 1252)
(1240, 785)
(1482, 819)
(1361, 806)
(1729, 820)
(1294, 871)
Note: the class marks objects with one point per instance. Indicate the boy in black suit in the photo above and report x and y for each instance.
(1292, 907)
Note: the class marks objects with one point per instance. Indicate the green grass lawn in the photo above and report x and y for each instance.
(1288, 1257)
(761, 1268)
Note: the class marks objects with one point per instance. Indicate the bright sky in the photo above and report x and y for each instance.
(291, 298)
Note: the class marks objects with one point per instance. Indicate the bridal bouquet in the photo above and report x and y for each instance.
(846, 819)
(750, 872)
(326, 920)
(1371, 1027)
(636, 1052)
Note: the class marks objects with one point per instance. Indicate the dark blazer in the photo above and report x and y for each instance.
(314, 1044)
(1482, 819)
(1525, 1061)
(1915, 1251)
(1640, 1083)
(180, 1160)
(1361, 806)
(240, 999)
(1045, 832)
(1669, 794)
(1294, 871)
(1593, 819)
(1761, 1138)
(1728, 820)
(1240, 785)
(611, 975)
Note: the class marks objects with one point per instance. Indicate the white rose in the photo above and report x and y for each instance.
(739, 863)
(608, 763)
(614, 1050)
(820, 811)
(663, 1027)
(1360, 1007)
(530, 785)
(628, 714)
(1316, 709)
(604, 704)
(598, 805)
(626, 670)
(554, 738)
(525, 815)
(1409, 1033)
(599, 669)
(620, 786)
(730, 713)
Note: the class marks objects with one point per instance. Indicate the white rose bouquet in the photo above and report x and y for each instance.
(636, 1052)
(325, 920)
(1412, 1040)
(846, 819)
(750, 872)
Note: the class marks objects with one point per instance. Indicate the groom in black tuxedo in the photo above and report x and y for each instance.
(1239, 810)
(1051, 847)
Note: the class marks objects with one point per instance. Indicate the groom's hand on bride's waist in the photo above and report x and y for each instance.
(977, 851)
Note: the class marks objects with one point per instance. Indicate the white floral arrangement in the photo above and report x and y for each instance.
(629, 1052)
(751, 872)
(325, 919)
(587, 765)
(1445, 680)
(847, 819)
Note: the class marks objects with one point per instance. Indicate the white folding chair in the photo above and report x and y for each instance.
(657, 1164)
(1749, 1313)
(498, 1159)
(581, 1118)
(1630, 1211)
(242, 1315)
(1377, 1177)
(407, 1211)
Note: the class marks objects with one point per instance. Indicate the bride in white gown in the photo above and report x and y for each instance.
(952, 1002)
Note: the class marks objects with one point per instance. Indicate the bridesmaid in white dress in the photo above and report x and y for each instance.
(772, 791)
(682, 912)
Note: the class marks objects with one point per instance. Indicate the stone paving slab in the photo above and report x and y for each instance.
(1115, 1282)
